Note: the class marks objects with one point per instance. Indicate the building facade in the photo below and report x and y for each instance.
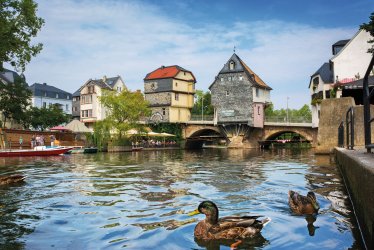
(239, 95)
(90, 108)
(342, 75)
(44, 95)
(170, 92)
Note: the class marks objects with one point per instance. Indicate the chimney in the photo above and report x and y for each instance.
(44, 83)
(104, 78)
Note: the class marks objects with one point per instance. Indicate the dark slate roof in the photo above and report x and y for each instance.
(9, 76)
(100, 83)
(341, 43)
(77, 93)
(324, 72)
(240, 66)
(49, 91)
(112, 81)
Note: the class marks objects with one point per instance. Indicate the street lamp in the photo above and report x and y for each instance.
(287, 110)
(202, 107)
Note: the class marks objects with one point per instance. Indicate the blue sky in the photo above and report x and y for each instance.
(283, 41)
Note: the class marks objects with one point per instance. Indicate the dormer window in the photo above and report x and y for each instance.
(56, 95)
(232, 65)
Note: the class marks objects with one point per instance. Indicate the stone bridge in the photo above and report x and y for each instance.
(198, 133)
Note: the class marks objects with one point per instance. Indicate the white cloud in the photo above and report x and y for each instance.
(89, 39)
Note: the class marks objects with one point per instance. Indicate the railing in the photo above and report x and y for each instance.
(291, 119)
(367, 95)
(350, 131)
(341, 135)
(202, 118)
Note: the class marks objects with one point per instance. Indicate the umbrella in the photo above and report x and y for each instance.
(166, 134)
(59, 128)
(77, 127)
(153, 134)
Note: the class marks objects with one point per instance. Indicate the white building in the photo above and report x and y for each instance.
(91, 110)
(44, 95)
(345, 70)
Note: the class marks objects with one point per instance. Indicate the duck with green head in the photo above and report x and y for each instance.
(228, 228)
(300, 204)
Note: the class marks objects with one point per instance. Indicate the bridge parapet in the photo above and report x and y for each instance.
(289, 124)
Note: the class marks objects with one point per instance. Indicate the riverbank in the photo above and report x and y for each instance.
(357, 168)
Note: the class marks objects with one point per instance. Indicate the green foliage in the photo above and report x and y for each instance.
(125, 110)
(101, 135)
(171, 128)
(304, 112)
(203, 99)
(18, 24)
(369, 27)
(315, 101)
(42, 118)
(14, 100)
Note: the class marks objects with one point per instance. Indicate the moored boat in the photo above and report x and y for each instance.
(37, 151)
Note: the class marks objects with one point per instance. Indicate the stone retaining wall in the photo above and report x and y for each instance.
(357, 168)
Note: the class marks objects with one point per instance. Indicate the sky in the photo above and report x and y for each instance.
(282, 41)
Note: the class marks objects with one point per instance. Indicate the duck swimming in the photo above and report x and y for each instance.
(226, 228)
(11, 179)
(300, 204)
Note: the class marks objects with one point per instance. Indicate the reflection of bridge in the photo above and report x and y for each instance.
(198, 132)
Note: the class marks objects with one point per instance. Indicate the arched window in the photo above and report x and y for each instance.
(232, 65)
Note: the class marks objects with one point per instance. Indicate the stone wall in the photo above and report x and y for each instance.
(159, 99)
(357, 168)
(333, 112)
(233, 98)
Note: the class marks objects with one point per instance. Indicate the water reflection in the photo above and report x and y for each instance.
(139, 200)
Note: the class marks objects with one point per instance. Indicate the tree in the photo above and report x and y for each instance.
(18, 24)
(369, 27)
(42, 118)
(14, 100)
(203, 99)
(124, 110)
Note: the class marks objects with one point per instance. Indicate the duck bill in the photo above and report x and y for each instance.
(193, 212)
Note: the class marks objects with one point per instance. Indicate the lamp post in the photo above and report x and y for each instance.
(287, 110)
(202, 107)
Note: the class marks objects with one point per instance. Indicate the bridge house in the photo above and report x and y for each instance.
(239, 95)
(170, 92)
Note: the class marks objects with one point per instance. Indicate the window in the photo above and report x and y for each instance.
(227, 93)
(91, 89)
(176, 96)
(89, 113)
(44, 104)
(45, 93)
(232, 65)
(67, 107)
(258, 110)
(257, 92)
(67, 97)
(56, 95)
(241, 78)
(176, 84)
(222, 79)
(229, 78)
(163, 111)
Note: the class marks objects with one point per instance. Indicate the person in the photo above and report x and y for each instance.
(53, 138)
(20, 142)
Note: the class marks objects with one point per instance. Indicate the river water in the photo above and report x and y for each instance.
(139, 200)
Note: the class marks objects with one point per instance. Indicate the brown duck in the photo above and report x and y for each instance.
(11, 179)
(300, 204)
(226, 228)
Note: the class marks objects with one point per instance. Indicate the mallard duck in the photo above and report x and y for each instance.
(226, 228)
(10, 179)
(300, 204)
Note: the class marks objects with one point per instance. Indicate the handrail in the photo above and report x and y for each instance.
(350, 131)
(367, 95)
(341, 135)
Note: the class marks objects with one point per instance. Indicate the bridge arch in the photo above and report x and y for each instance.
(198, 136)
(271, 132)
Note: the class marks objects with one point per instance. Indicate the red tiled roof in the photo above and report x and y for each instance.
(163, 72)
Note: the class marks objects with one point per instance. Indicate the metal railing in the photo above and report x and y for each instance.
(367, 95)
(291, 119)
(202, 118)
(350, 131)
(341, 135)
